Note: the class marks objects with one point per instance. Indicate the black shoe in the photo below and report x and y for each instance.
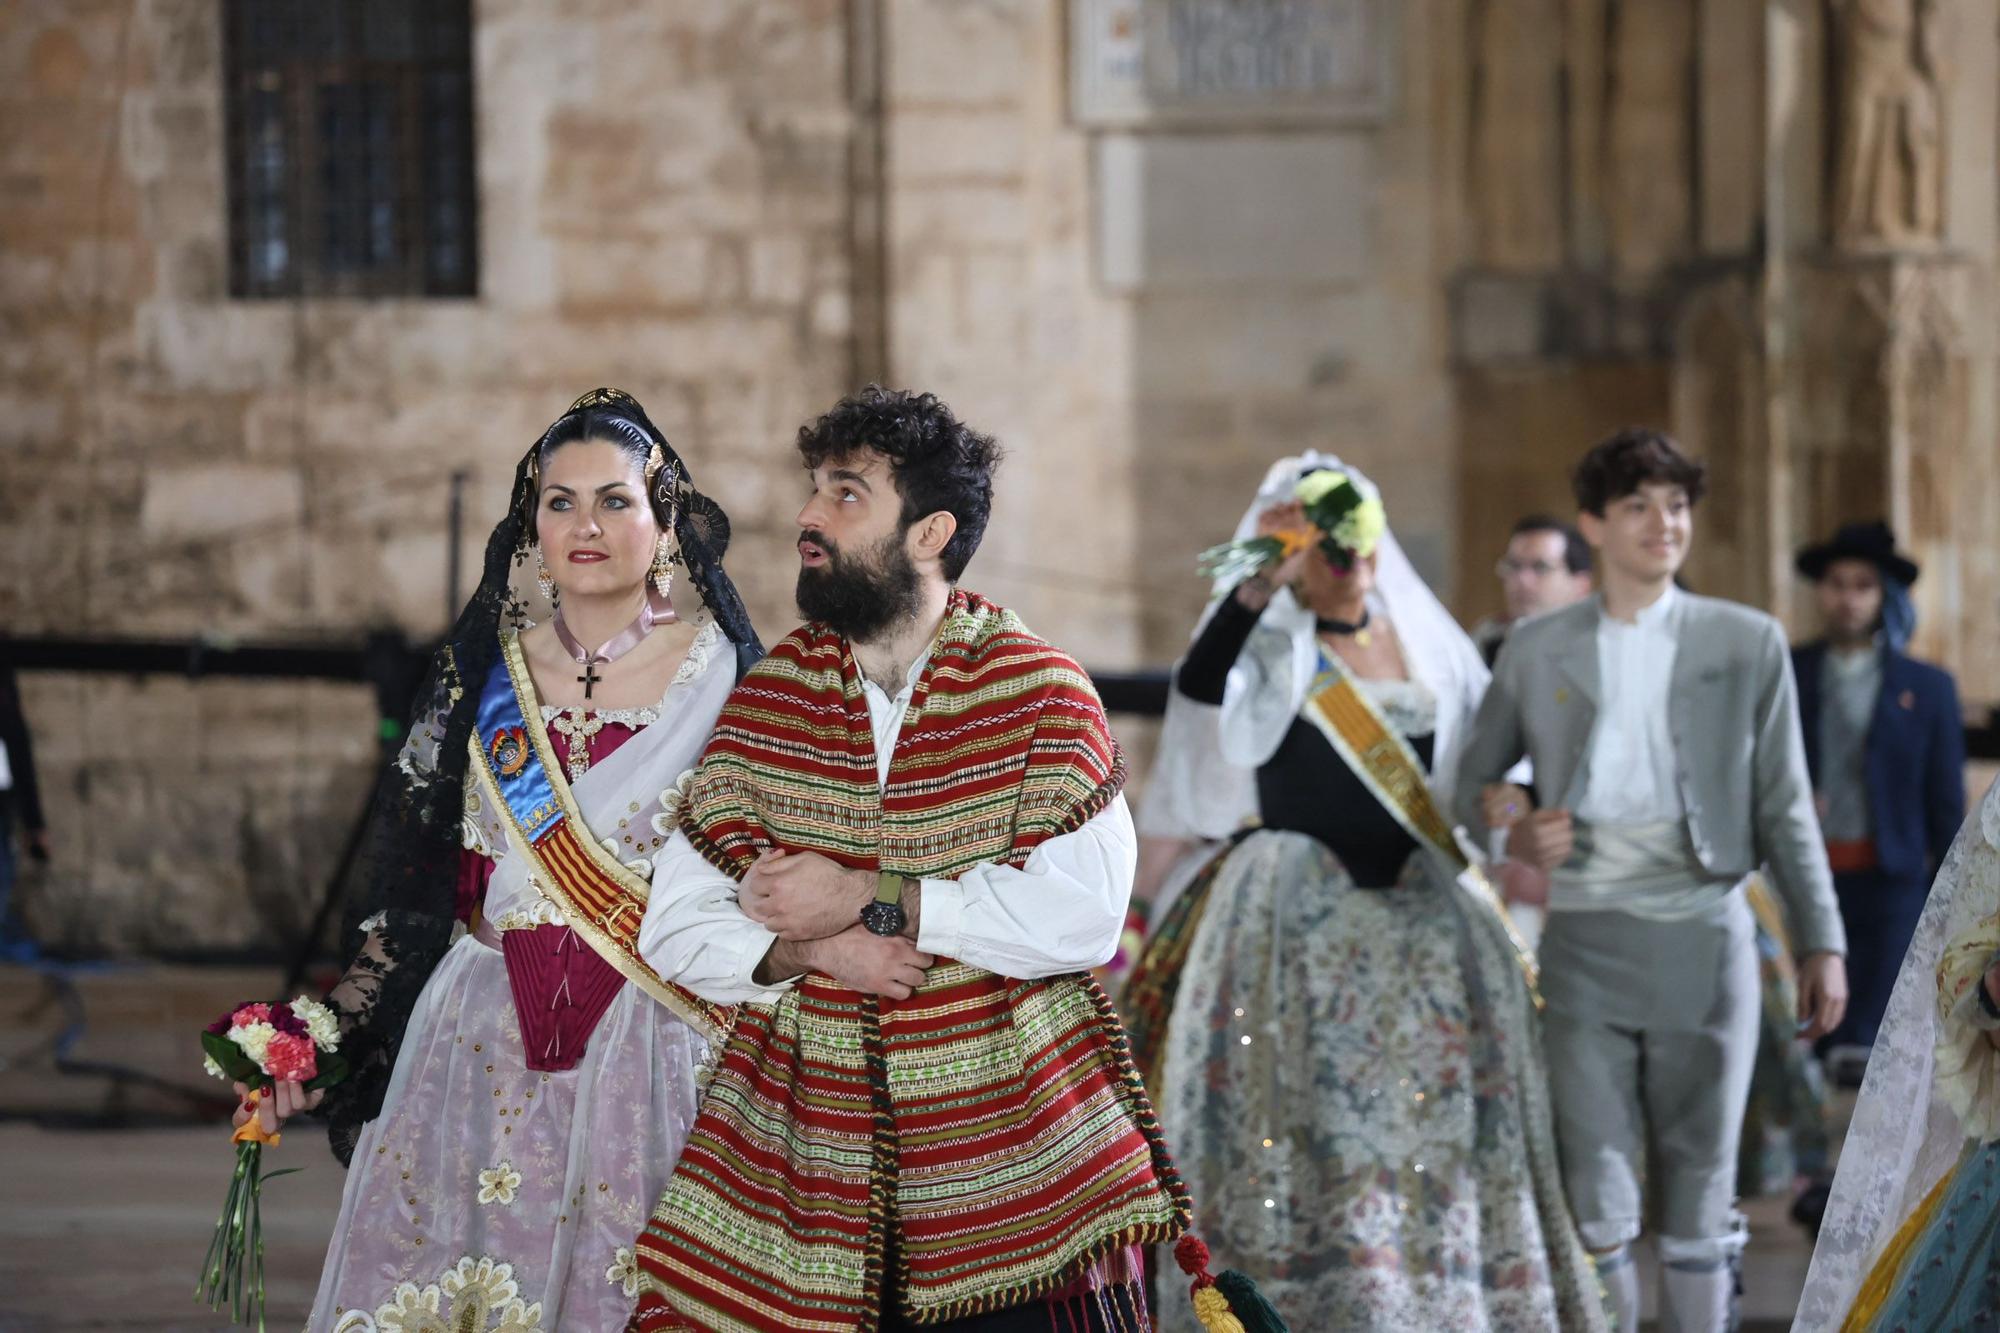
(1809, 1208)
(1846, 1065)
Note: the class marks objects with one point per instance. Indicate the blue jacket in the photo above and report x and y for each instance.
(1916, 758)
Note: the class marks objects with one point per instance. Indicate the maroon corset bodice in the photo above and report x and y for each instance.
(561, 986)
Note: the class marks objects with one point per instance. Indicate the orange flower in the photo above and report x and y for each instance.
(1293, 540)
(252, 1130)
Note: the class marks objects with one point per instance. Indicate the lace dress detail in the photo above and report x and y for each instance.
(579, 725)
(541, 912)
(1407, 705)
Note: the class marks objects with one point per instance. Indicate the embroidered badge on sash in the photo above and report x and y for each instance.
(510, 751)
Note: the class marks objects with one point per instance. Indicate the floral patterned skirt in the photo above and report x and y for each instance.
(488, 1196)
(1351, 1082)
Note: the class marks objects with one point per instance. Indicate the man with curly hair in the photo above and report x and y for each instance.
(1664, 730)
(901, 854)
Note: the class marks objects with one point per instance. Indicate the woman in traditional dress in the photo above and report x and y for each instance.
(1332, 1016)
(1911, 1237)
(523, 1086)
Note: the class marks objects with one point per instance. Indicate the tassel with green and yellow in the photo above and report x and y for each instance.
(1230, 1303)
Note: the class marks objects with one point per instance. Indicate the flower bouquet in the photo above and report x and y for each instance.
(1347, 522)
(259, 1045)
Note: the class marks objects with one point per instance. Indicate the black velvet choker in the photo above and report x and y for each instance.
(1328, 625)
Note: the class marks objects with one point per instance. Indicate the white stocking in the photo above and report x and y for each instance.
(1621, 1278)
(1696, 1299)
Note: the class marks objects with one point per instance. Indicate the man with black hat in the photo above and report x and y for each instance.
(1886, 748)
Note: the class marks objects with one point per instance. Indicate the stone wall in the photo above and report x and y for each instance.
(1549, 218)
(1656, 233)
(1612, 171)
(734, 210)
(1150, 317)
(664, 206)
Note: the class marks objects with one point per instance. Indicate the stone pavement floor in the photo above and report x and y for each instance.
(110, 1186)
(105, 1229)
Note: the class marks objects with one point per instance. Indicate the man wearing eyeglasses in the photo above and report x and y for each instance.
(1546, 567)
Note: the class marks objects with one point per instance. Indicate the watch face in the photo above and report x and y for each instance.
(884, 918)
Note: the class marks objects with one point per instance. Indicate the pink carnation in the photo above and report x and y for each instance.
(291, 1058)
(250, 1013)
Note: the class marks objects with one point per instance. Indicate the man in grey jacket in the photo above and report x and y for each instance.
(1665, 737)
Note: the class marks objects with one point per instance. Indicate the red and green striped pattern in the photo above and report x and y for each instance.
(997, 1124)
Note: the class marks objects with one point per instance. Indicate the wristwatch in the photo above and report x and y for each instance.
(885, 916)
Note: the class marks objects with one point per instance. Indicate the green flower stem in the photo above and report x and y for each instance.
(211, 1264)
(236, 1260)
(246, 1235)
(232, 1271)
(257, 1248)
(1232, 562)
(216, 1268)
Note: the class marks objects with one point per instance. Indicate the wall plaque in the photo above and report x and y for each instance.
(1183, 63)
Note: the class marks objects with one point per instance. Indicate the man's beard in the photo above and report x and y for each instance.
(860, 596)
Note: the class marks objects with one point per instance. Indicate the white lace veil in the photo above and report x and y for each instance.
(1906, 1133)
(1203, 783)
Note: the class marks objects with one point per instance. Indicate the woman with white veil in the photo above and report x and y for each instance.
(1331, 1014)
(1911, 1237)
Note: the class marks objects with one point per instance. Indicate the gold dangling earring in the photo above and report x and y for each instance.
(543, 579)
(664, 555)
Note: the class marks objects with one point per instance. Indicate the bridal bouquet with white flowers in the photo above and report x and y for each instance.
(259, 1045)
(1347, 522)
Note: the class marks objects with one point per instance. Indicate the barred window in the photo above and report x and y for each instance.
(350, 141)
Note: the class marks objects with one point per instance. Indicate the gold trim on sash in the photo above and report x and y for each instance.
(1379, 755)
(574, 855)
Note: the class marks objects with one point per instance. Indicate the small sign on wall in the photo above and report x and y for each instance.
(1183, 63)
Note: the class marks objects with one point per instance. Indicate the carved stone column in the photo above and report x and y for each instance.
(1792, 268)
(1882, 410)
(1718, 410)
(1889, 394)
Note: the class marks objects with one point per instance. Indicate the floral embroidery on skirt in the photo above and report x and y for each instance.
(473, 1296)
(1352, 1085)
(541, 1179)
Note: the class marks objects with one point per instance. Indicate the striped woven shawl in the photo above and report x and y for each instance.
(995, 1126)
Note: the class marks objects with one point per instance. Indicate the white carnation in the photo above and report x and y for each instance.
(209, 1066)
(320, 1023)
(255, 1039)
